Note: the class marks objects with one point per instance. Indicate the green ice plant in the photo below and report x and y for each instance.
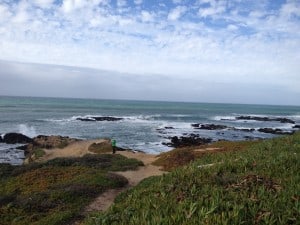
(249, 183)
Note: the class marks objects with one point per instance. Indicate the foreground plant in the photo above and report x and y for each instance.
(256, 184)
(56, 192)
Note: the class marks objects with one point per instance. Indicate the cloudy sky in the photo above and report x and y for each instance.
(238, 51)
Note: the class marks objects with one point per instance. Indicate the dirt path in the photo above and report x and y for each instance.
(106, 199)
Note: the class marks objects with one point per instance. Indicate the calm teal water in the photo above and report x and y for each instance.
(143, 122)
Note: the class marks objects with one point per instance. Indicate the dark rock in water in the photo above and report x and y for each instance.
(266, 119)
(169, 127)
(296, 127)
(185, 141)
(99, 118)
(195, 124)
(22, 147)
(209, 126)
(85, 119)
(1, 139)
(273, 131)
(16, 138)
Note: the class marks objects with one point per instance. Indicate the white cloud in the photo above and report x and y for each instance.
(70, 5)
(291, 8)
(146, 16)
(177, 1)
(43, 3)
(121, 3)
(21, 12)
(215, 8)
(176, 13)
(232, 27)
(138, 2)
(4, 13)
(93, 34)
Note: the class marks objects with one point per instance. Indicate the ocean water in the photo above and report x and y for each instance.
(143, 122)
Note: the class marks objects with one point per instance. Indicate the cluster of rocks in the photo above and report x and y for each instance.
(209, 126)
(53, 141)
(185, 141)
(263, 130)
(265, 119)
(99, 118)
(40, 141)
(275, 131)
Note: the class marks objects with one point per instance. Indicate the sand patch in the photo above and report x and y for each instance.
(134, 177)
(75, 149)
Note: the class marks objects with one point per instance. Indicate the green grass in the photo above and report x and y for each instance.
(250, 183)
(38, 152)
(57, 191)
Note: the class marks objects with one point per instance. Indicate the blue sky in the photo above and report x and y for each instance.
(219, 49)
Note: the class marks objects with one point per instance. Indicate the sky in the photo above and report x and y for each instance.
(228, 51)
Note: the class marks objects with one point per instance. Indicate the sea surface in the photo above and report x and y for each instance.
(145, 125)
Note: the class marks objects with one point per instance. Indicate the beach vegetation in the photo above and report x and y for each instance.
(255, 182)
(38, 152)
(57, 191)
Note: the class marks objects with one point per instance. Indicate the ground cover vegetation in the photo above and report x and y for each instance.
(56, 192)
(244, 183)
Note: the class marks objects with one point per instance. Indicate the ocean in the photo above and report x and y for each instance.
(145, 125)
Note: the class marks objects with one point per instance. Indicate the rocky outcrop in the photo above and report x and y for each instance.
(1, 139)
(185, 141)
(16, 138)
(266, 119)
(99, 118)
(209, 126)
(54, 141)
(274, 131)
(296, 127)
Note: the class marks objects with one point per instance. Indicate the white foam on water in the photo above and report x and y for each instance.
(286, 126)
(27, 130)
(141, 118)
(218, 118)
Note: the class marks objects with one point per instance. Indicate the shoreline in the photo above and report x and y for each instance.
(172, 176)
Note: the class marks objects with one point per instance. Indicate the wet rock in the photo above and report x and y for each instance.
(16, 138)
(99, 118)
(265, 119)
(274, 131)
(185, 141)
(168, 128)
(1, 139)
(244, 129)
(209, 126)
(296, 127)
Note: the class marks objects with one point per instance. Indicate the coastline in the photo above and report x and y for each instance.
(84, 171)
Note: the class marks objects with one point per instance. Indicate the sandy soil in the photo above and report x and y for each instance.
(76, 149)
(106, 199)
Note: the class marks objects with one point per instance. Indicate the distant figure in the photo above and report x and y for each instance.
(113, 144)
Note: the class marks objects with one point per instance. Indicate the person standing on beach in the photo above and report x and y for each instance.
(113, 145)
